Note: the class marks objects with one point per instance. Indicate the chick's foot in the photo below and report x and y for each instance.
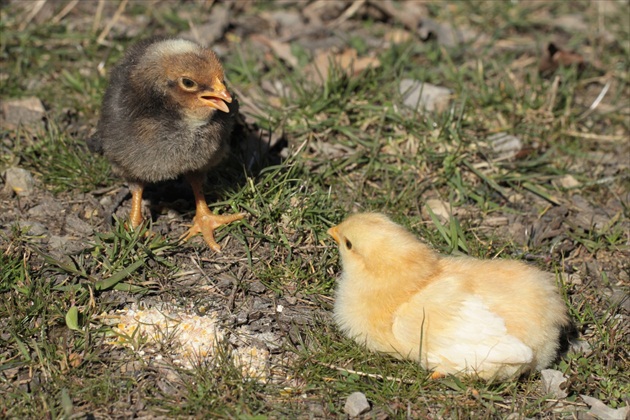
(437, 375)
(206, 223)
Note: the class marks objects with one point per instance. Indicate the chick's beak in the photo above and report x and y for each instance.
(217, 96)
(334, 233)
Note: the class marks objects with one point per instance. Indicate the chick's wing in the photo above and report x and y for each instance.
(457, 327)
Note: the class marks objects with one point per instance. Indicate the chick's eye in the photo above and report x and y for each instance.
(348, 244)
(188, 83)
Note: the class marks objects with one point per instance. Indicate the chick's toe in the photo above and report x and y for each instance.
(206, 222)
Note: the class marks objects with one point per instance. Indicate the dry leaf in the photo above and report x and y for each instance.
(283, 21)
(603, 412)
(75, 359)
(448, 35)
(555, 57)
(281, 49)
(409, 13)
(571, 23)
(440, 208)
(212, 30)
(324, 10)
(346, 61)
(397, 36)
(553, 382)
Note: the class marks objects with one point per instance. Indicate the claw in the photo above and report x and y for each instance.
(206, 223)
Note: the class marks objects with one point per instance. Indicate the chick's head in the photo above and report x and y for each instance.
(188, 77)
(373, 243)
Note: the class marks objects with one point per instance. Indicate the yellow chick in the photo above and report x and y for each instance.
(492, 318)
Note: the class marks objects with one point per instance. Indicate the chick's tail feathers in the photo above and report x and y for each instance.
(568, 334)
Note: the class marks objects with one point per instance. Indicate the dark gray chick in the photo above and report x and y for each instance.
(166, 113)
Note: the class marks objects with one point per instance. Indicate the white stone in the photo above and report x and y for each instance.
(505, 145)
(356, 404)
(19, 180)
(424, 96)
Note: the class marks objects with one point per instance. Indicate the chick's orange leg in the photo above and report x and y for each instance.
(205, 222)
(135, 216)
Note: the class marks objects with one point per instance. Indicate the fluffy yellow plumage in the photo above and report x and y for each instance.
(493, 318)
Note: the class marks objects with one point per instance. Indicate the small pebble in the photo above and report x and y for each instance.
(504, 145)
(20, 181)
(21, 111)
(257, 287)
(424, 96)
(568, 181)
(580, 347)
(440, 208)
(48, 209)
(32, 228)
(106, 201)
(356, 404)
(75, 225)
(172, 214)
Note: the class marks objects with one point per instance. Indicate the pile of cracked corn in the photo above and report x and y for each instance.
(188, 339)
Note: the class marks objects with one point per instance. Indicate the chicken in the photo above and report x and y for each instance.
(167, 113)
(492, 318)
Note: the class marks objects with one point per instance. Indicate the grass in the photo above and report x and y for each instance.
(62, 161)
(352, 146)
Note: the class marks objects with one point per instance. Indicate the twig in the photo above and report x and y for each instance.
(348, 13)
(205, 276)
(247, 101)
(37, 6)
(112, 22)
(593, 136)
(367, 375)
(104, 190)
(300, 147)
(116, 202)
(71, 5)
(567, 402)
(97, 16)
(597, 101)
(194, 31)
(232, 297)
(606, 180)
(553, 94)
